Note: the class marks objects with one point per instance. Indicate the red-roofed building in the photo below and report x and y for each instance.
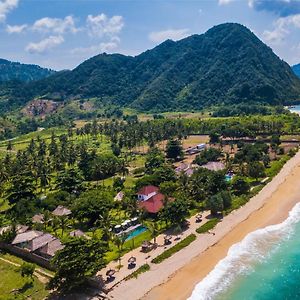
(150, 199)
(154, 204)
(147, 192)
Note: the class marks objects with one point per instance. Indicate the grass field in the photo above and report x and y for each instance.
(14, 286)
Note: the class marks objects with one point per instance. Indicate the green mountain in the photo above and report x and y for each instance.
(23, 72)
(228, 64)
(296, 69)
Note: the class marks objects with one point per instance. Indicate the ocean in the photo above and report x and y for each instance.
(265, 265)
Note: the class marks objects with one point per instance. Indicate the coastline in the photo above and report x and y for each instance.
(271, 206)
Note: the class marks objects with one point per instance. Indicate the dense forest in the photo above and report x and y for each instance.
(227, 64)
(23, 72)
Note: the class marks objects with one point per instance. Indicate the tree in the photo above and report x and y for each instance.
(227, 199)
(119, 241)
(27, 270)
(241, 186)
(91, 205)
(256, 170)
(78, 260)
(154, 160)
(214, 138)
(21, 188)
(174, 150)
(175, 212)
(70, 180)
(154, 229)
(215, 204)
(118, 184)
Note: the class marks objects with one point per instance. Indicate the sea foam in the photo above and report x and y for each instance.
(243, 256)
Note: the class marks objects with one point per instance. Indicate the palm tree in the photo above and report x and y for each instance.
(153, 228)
(119, 241)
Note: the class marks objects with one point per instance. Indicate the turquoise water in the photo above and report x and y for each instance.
(136, 232)
(264, 266)
(228, 177)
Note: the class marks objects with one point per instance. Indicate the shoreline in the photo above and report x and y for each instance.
(176, 277)
(269, 207)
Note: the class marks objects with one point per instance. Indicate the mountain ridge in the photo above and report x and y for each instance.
(226, 65)
(10, 70)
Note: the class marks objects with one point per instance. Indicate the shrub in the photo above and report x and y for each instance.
(168, 253)
(208, 226)
(142, 269)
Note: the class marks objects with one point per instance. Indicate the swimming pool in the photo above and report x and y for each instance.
(228, 177)
(136, 232)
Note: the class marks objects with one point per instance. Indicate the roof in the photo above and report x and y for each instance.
(153, 204)
(19, 229)
(52, 247)
(214, 166)
(40, 241)
(61, 211)
(77, 233)
(181, 167)
(26, 236)
(148, 189)
(38, 218)
(119, 196)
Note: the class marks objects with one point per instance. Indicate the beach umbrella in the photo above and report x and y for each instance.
(110, 272)
(132, 260)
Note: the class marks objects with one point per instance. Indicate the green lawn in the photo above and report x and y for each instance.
(11, 280)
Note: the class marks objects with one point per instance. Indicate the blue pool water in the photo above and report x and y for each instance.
(136, 232)
(228, 177)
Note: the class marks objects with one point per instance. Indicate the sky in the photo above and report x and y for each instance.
(60, 34)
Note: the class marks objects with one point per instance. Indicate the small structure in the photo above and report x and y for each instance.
(187, 169)
(38, 218)
(131, 262)
(167, 239)
(61, 211)
(147, 246)
(78, 233)
(214, 166)
(196, 149)
(119, 196)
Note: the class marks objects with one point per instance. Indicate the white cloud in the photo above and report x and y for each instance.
(281, 28)
(16, 28)
(173, 34)
(55, 25)
(225, 2)
(101, 25)
(96, 49)
(44, 45)
(5, 7)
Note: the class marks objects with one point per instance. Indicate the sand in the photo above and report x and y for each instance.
(176, 277)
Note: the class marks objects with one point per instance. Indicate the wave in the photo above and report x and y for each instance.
(242, 257)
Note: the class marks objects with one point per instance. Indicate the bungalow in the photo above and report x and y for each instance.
(61, 211)
(22, 240)
(150, 199)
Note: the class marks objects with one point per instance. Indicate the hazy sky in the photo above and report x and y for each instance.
(62, 33)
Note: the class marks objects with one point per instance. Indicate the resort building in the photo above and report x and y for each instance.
(150, 199)
(196, 149)
(61, 211)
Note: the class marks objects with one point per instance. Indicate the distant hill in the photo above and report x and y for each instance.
(228, 64)
(296, 69)
(23, 72)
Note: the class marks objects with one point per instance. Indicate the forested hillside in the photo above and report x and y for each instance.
(227, 64)
(23, 72)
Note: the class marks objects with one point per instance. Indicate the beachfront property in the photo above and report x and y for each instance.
(150, 199)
